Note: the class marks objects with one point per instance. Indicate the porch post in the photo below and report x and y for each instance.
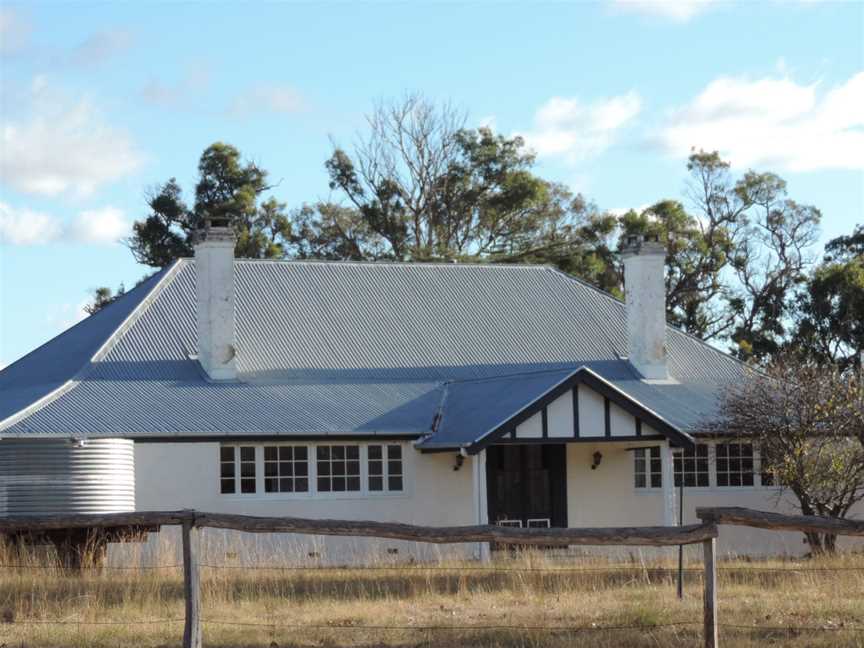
(481, 505)
(668, 484)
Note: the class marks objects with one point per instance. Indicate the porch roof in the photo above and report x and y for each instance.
(506, 401)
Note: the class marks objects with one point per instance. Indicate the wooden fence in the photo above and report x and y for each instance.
(192, 521)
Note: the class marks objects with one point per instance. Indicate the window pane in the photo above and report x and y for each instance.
(353, 467)
(226, 453)
(227, 470)
(271, 485)
(300, 453)
(656, 481)
(354, 452)
(227, 486)
(394, 483)
(394, 452)
(639, 481)
(286, 485)
(374, 452)
(394, 467)
(323, 484)
(337, 452)
(353, 484)
(338, 484)
(301, 469)
(323, 452)
(301, 485)
(376, 483)
(286, 453)
(247, 469)
(247, 453)
(323, 469)
(269, 453)
(247, 485)
(270, 469)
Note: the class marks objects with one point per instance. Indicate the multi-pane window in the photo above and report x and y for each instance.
(648, 470)
(338, 468)
(237, 465)
(691, 466)
(286, 469)
(227, 469)
(385, 473)
(247, 469)
(734, 464)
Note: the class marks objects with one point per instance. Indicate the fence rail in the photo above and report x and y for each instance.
(191, 521)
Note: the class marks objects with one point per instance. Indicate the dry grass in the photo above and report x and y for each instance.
(528, 600)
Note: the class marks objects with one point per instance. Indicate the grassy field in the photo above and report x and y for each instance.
(528, 600)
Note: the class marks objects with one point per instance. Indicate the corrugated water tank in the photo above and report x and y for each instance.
(43, 477)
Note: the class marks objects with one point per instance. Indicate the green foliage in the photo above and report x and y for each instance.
(227, 188)
(830, 322)
(103, 296)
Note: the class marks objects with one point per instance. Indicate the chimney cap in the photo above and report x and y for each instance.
(215, 228)
(639, 244)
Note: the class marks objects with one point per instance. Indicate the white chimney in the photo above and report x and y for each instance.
(214, 274)
(645, 296)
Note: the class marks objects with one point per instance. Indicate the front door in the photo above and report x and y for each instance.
(527, 485)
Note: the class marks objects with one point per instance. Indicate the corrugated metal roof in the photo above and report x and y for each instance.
(341, 348)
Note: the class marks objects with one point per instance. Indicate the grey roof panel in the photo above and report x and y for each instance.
(59, 360)
(342, 348)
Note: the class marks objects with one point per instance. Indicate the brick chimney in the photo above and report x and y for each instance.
(214, 275)
(645, 297)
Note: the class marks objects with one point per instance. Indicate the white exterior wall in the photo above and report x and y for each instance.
(186, 475)
(172, 476)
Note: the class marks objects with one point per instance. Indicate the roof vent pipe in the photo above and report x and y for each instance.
(645, 296)
(214, 279)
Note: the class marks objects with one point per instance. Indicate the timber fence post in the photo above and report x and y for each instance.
(191, 584)
(710, 592)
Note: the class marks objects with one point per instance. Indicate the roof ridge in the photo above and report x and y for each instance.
(424, 264)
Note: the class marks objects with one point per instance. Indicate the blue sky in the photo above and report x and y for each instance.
(101, 101)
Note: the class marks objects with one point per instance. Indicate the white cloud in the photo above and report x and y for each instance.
(575, 131)
(774, 123)
(106, 225)
(63, 147)
(23, 226)
(271, 98)
(26, 227)
(677, 10)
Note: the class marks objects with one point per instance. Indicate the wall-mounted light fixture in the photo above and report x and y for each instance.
(460, 459)
(596, 458)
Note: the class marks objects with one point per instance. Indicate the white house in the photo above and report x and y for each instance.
(437, 394)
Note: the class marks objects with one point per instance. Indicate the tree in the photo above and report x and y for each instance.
(808, 422)
(830, 321)
(227, 188)
(423, 187)
(103, 296)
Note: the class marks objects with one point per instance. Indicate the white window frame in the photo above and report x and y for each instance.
(312, 453)
(757, 481)
(278, 446)
(648, 487)
(238, 483)
(709, 458)
(385, 469)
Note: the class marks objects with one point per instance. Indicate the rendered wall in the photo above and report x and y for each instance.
(186, 475)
